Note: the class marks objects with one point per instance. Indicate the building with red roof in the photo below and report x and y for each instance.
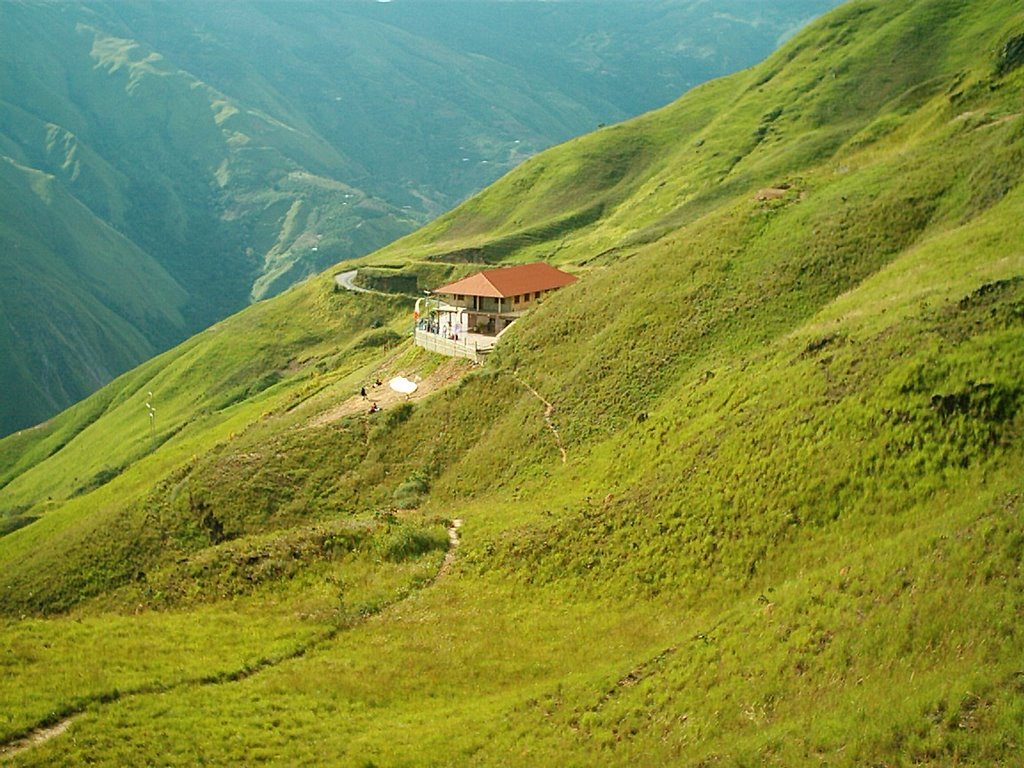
(489, 301)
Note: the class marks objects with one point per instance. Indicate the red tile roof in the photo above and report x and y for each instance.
(509, 281)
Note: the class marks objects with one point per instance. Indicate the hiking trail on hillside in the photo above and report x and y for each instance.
(45, 733)
(35, 738)
(549, 409)
(453, 544)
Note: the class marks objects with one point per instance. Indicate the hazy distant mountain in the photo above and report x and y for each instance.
(238, 147)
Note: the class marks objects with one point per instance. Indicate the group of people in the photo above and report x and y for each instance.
(375, 407)
(445, 330)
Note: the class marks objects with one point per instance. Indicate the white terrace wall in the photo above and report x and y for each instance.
(442, 346)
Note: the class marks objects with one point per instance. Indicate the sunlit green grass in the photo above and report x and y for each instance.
(787, 527)
(222, 615)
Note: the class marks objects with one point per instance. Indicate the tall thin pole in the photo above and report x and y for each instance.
(152, 416)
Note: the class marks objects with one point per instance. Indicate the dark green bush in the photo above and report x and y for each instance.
(402, 542)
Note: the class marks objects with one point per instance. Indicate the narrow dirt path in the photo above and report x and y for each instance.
(34, 739)
(549, 409)
(453, 544)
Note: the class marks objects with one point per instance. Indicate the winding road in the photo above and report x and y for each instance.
(344, 280)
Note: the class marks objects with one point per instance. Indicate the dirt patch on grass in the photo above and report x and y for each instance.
(385, 397)
(770, 193)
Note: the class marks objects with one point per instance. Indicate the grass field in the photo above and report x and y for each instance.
(787, 527)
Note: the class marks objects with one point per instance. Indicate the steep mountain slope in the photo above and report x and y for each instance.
(787, 527)
(241, 172)
(80, 303)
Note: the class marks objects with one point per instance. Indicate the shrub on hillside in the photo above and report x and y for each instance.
(408, 494)
(403, 542)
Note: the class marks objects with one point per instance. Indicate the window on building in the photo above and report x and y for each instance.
(515, 300)
(536, 295)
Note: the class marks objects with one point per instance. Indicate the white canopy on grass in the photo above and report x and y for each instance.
(403, 385)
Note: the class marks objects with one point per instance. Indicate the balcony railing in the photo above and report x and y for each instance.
(471, 349)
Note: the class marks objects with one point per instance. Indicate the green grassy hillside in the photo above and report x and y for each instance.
(245, 147)
(80, 303)
(748, 493)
